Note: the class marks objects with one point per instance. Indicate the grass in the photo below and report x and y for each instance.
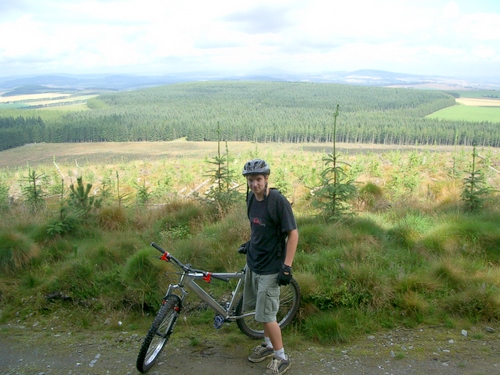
(404, 259)
(469, 113)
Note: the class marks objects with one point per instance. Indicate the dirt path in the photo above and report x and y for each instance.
(437, 351)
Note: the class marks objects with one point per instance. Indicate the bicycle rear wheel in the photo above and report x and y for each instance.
(289, 305)
(158, 334)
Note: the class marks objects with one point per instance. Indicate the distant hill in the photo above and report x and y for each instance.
(365, 77)
(86, 82)
(34, 89)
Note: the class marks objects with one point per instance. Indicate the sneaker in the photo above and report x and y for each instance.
(260, 353)
(278, 366)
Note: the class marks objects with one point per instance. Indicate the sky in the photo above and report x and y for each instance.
(457, 38)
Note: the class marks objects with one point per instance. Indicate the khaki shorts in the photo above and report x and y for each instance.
(262, 293)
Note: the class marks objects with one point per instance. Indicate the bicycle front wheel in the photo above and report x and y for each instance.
(289, 305)
(158, 334)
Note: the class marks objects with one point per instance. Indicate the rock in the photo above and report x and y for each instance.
(490, 330)
(464, 332)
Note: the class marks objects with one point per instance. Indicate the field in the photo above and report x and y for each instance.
(479, 102)
(180, 167)
(62, 100)
(32, 97)
(117, 152)
(472, 109)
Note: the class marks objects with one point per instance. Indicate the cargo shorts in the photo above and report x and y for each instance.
(262, 293)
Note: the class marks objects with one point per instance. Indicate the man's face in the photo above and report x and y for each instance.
(257, 183)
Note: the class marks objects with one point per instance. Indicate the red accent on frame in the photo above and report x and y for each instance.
(207, 277)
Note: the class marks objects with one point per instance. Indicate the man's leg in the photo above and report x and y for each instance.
(280, 362)
(273, 331)
(265, 349)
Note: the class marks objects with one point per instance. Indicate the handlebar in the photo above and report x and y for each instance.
(186, 267)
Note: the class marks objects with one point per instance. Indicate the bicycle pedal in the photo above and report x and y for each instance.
(218, 321)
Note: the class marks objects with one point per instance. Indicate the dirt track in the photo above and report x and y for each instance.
(437, 351)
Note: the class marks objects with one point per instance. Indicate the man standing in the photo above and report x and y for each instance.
(270, 253)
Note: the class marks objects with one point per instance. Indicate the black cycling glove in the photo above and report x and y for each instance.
(243, 249)
(285, 275)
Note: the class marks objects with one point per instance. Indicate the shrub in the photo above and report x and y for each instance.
(65, 224)
(16, 251)
(411, 304)
(112, 217)
(371, 197)
(326, 327)
(57, 250)
(450, 275)
(141, 280)
(75, 280)
(104, 257)
(476, 303)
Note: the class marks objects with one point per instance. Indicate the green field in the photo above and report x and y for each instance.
(467, 113)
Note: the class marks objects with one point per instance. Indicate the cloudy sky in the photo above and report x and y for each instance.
(434, 37)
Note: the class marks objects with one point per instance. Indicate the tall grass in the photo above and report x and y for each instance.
(402, 259)
(16, 251)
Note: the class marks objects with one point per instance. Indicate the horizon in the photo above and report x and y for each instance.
(363, 77)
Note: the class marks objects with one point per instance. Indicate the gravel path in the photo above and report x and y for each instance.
(436, 351)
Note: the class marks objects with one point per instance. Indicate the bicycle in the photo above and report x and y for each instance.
(172, 303)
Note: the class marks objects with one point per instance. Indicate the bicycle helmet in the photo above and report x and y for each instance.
(256, 166)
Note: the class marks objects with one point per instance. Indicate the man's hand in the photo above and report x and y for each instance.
(243, 248)
(285, 275)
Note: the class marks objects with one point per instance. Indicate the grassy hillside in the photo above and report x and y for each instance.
(408, 255)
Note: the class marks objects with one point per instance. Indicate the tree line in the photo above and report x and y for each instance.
(254, 111)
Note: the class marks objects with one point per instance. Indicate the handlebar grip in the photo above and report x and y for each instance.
(158, 248)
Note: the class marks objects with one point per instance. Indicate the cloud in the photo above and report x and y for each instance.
(262, 19)
(163, 36)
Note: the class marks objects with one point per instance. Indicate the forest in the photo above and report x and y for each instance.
(252, 111)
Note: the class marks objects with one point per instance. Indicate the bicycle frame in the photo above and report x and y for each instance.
(188, 280)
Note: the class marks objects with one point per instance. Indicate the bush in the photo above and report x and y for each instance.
(141, 278)
(57, 250)
(326, 327)
(75, 280)
(16, 251)
(478, 303)
(112, 218)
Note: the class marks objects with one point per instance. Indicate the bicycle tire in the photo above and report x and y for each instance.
(158, 333)
(289, 305)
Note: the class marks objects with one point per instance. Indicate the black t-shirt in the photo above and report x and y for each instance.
(263, 255)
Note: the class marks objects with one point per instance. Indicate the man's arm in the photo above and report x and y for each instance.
(291, 246)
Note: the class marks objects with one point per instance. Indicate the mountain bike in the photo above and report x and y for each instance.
(172, 304)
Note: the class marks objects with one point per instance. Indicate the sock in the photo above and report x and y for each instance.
(268, 342)
(280, 353)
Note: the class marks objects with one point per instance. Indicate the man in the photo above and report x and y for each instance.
(269, 261)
